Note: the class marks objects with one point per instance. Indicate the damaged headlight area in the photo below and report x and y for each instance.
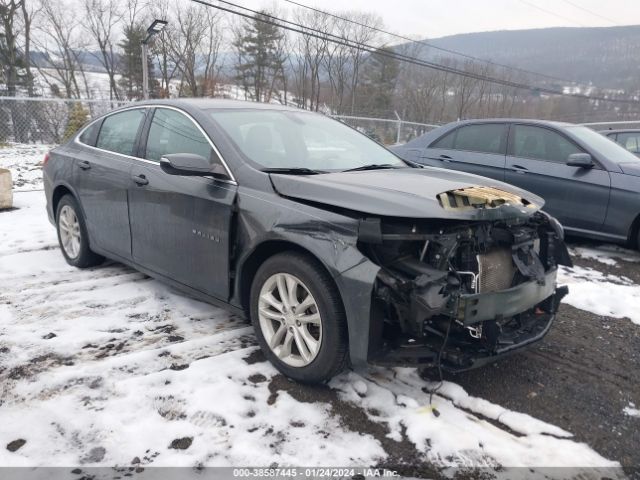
(463, 293)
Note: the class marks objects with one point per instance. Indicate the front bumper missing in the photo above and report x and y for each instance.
(535, 304)
(478, 307)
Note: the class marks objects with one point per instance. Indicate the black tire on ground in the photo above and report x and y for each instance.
(332, 356)
(85, 257)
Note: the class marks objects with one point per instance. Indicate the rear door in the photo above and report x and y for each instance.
(536, 161)
(101, 177)
(478, 148)
(180, 225)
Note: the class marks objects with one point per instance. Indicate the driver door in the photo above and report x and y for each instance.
(180, 224)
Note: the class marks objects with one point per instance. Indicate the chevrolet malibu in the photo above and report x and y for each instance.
(337, 251)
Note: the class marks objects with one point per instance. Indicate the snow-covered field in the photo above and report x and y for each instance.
(24, 161)
(109, 367)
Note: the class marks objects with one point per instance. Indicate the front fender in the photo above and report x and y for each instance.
(329, 237)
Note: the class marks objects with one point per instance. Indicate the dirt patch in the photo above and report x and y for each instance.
(402, 456)
(580, 378)
(16, 444)
(38, 365)
(257, 378)
(255, 357)
(181, 443)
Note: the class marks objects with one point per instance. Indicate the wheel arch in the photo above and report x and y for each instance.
(634, 230)
(59, 192)
(262, 253)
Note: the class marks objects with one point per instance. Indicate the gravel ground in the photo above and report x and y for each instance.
(580, 377)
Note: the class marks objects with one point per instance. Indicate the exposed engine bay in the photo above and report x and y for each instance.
(461, 293)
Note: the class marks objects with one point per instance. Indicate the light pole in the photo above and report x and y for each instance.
(156, 27)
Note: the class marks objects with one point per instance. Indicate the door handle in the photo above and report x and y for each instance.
(84, 165)
(445, 158)
(519, 169)
(140, 180)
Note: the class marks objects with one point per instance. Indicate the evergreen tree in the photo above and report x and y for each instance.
(131, 63)
(78, 116)
(380, 75)
(260, 64)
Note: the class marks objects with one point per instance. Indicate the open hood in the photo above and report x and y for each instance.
(412, 193)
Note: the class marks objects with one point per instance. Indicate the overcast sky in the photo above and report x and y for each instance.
(437, 18)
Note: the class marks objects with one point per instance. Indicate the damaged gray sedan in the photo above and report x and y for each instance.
(338, 251)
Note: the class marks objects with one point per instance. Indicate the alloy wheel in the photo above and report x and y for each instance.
(69, 228)
(290, 320)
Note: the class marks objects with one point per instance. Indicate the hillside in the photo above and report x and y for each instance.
(608, 57)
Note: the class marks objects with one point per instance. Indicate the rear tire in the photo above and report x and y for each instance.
(303, 332)
(72, 235)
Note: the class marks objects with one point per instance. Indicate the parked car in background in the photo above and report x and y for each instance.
(628, 138)
(335, 248)
(589, 183)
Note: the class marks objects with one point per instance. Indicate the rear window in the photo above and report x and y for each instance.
(482, 138)
(89, 134)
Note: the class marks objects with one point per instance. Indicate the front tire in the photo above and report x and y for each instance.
(299, 319)
(72, 235)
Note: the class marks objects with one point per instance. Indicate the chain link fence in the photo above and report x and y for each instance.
(387, 131)
(46, 120)
(52, 120)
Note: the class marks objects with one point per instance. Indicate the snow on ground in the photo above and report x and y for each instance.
(602, 294)
(607, 254)
(631, 410)
(100, 366)
(24, 161)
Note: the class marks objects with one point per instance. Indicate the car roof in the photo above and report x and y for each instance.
(213, 103)
(620, 130)
(531, 121)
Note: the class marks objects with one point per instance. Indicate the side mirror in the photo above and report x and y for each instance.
(191, 164)
(580, 160)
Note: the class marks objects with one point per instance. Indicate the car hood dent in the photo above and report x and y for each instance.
(406, 192)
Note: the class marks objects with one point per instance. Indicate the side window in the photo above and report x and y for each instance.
(542, 144)
(630, 141)
(118, 132)
(174, 132)
(88, 137)
(484, 138)
(445, 142)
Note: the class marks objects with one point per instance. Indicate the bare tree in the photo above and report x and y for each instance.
(361, 31)
(312, 53)
(101, 19)
(59, 39)
(211, 52)
(339, 66)
(162, 49)
(193, 47)
(9, 51)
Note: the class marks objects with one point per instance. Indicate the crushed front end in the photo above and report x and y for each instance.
(461, 293)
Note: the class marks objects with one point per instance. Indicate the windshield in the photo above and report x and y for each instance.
(603, 145)
(300, 140)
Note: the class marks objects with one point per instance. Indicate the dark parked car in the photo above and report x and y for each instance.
(589, 183)
(628, 138)
(335, 248)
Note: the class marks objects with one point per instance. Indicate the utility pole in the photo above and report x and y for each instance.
(156, 27)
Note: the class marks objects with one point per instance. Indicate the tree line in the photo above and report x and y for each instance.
(51, 49)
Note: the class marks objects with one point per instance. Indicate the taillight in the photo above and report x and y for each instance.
(46, 159)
